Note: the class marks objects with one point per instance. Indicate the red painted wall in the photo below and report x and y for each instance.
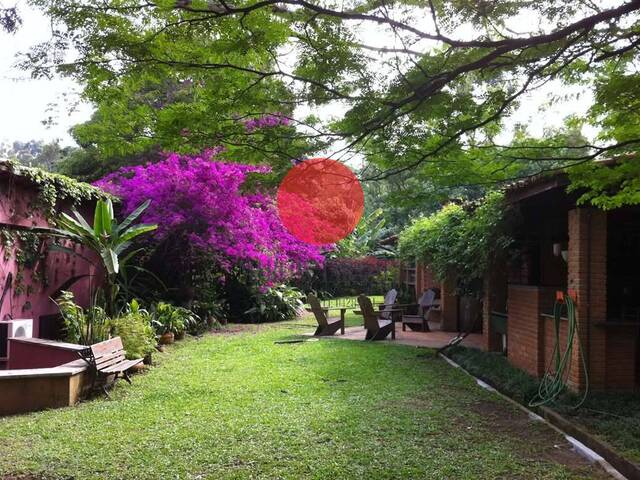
(30, 298)
(31, 355)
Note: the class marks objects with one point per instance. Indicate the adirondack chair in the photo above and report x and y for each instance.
(326, 325)
(377, 328)
(421, 320)
(387, 305)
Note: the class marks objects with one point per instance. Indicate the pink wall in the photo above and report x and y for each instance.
(30, 298)
(24, 354)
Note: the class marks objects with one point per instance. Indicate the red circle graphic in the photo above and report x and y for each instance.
(320, 201)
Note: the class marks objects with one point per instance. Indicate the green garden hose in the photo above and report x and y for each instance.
(553, 382)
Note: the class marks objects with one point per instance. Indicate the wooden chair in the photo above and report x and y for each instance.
(377, 328)
(108, 359)
(326, 325)
(387, 305)
(420, 321)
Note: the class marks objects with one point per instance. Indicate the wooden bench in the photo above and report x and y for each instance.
(108, 359)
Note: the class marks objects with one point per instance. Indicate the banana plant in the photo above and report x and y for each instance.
(107, 238)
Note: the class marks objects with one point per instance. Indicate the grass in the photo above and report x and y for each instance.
(613, 417)
(230, 406)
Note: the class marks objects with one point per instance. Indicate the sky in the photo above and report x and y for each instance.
(26, 103)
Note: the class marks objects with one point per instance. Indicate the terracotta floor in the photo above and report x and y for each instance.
(434, 339)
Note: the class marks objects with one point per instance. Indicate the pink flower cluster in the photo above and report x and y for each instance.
(266, 121)
(202, 201)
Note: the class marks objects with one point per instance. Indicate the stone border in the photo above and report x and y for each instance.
(624, 466)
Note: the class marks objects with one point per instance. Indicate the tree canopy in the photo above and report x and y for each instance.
(425, 87)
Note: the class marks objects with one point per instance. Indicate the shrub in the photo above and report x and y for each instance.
(205, 204)
(134, 328)
(84, 327)
(276, 304)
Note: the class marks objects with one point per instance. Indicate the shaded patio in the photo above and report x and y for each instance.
(436, 338)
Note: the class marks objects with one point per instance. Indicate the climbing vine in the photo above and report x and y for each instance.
(460, 241)
(28, 249)
(53, 188)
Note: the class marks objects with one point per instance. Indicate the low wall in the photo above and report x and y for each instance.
(531, 340)
(549, 338)
(29, 390)
(40, 353)
(526, 327)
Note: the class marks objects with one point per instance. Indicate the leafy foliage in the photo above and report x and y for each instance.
(107, 238)
(134, 329)
(275, 304)
(175, 75)
(168, 318)
(10, 19)
(459, 242)
(84, 327)
(162, 102)
(366, 238)
(608, 186)
(54, 188)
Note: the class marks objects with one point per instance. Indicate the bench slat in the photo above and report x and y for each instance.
(123, 366)
(111, 345)
(100, 365)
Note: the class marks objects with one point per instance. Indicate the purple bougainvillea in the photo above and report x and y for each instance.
(201, 199)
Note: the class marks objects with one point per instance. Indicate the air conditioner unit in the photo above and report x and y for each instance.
(20, 327)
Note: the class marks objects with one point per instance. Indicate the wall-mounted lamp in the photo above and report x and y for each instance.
(559, 251)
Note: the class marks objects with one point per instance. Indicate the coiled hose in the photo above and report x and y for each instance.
(553, 382)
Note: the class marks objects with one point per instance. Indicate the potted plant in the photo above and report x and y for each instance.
(172, 322)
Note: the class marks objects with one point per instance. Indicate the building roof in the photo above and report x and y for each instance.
(540, 183)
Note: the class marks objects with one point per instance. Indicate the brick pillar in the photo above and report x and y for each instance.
(449, 306)
(587, 271)
(491, 341)
(525, 327)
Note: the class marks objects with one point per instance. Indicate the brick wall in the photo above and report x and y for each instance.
(525, 329)
(424, 279)
(610, 349)
(549, 340)
(587, 272)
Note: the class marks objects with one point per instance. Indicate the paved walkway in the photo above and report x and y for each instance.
(434, 339)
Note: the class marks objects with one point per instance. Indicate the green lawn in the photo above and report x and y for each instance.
(240, 406)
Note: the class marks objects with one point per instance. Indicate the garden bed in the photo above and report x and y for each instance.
(613, 418)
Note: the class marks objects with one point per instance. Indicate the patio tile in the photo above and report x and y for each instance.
(434, 339)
